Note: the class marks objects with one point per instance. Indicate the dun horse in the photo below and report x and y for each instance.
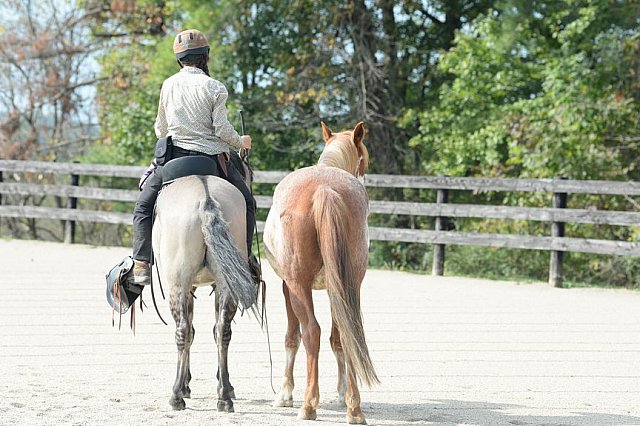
(199, 239)
(316, 237)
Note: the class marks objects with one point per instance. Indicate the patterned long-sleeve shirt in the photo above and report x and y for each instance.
(192, 110)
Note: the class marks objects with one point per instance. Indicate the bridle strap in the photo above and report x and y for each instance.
(357, 172)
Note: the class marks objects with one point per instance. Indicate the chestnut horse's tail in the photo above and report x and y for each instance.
(342, 280)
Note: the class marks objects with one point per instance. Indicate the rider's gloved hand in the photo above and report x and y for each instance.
(246, 141)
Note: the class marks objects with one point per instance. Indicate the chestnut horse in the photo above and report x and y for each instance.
(316, 237)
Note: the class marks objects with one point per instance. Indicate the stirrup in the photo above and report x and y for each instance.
(121, 294)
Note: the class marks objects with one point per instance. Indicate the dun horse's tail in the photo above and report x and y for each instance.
(222, 255)
(329, 212)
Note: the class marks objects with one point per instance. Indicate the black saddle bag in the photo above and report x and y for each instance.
(163, 151)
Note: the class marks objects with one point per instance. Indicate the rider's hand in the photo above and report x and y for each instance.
(246, 141)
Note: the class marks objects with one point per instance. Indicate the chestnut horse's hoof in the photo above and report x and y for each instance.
(177, 403)
(307, 413)
(355, 416)
(358, 420)
(226, 406)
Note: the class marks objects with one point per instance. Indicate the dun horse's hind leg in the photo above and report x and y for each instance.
(225, 311)
(291, 345)
(186, 390)
(336, 345)
(182, 313)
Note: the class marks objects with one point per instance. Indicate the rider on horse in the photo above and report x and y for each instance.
(193, 114)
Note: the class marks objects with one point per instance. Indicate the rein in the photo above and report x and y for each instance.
(153, 260)
(153, 296)
(262, 285)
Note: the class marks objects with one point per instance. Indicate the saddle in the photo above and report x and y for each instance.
(187, 166)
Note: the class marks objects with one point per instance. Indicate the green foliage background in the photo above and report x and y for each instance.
(532, 89)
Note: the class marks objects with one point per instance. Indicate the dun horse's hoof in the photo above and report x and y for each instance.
(307, 413)
(177, 403)
(226, 406)
(281, 402)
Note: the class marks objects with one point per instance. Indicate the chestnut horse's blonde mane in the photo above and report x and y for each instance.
(341, 152)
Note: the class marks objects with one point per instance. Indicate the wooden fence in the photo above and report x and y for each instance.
(557, 214)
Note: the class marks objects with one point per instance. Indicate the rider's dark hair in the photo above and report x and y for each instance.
(198, 61)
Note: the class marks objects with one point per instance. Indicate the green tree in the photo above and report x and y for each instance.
(134, 66)
(290, 64)
(552, 95)
(541, 89)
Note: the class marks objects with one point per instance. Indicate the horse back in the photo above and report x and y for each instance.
(295, 192)
(291, 234)
(177, 229)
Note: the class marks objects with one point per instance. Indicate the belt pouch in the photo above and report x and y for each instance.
(163, 150)
(223, 161)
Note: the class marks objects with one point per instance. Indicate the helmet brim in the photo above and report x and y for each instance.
(196, 51)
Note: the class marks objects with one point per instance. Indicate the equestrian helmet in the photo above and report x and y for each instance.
(190, 42)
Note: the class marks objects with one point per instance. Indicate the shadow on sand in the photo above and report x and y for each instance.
(452, 412)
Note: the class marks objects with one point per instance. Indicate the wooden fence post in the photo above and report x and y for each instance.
(0, 204)
(557, 231)
(70, 225)
(442, 197)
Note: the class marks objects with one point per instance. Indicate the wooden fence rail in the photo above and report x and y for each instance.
(441, 210)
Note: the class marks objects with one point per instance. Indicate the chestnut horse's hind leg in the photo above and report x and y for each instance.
(182, 313)
(291, 345)
(336, 345)
(225, 311)
(302, 306)
(348, 393)
(352, 398)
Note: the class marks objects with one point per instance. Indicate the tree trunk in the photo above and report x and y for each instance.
(376, 87)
